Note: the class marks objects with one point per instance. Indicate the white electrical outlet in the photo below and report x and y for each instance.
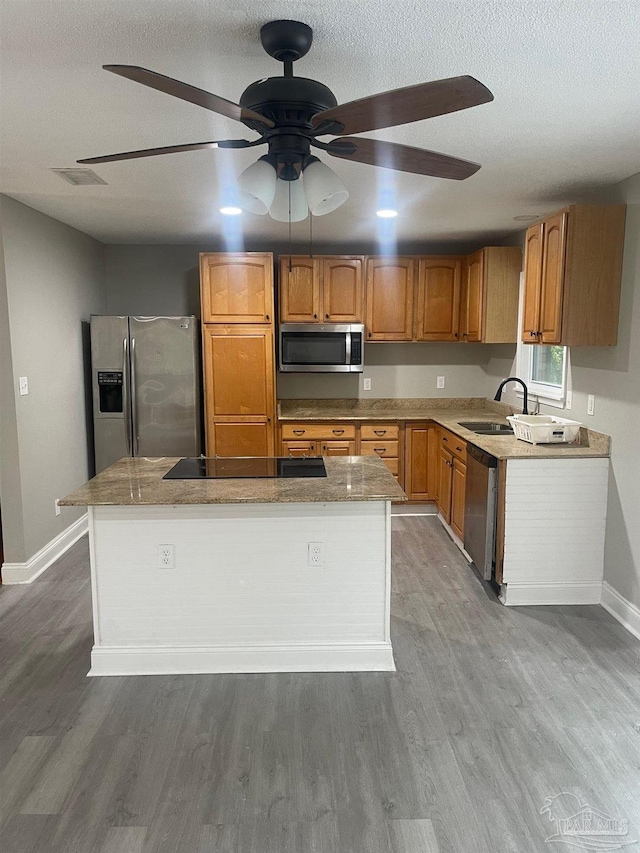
(166, 556)
(316, 554)
(591, 405)
(568, 401)
(24, 386)
(440, 382)
(57, 506)
(366, 384)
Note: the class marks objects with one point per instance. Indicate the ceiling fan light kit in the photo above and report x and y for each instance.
(291, 113)
(290, 202)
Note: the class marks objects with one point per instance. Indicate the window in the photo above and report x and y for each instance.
(544, 368)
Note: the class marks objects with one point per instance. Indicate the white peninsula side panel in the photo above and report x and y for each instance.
(555, 516)
(242, 596)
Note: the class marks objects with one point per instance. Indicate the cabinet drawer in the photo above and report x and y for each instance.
(374, 432)
(313, 431)
(379, 448)
(456, 446)
(299, 448)
(393, 466)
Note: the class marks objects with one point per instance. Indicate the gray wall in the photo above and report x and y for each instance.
(613, 376)
(54, 281)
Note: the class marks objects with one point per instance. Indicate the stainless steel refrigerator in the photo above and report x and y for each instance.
(146, 387)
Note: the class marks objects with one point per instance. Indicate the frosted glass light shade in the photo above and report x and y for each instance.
(257, 187)
(324, 189)
(280, 207)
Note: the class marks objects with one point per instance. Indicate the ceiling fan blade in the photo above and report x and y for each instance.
(170, 149)
(401, 106)
(403, 158)
(187, 93)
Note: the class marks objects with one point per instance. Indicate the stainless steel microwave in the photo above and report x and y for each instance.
(315, 348)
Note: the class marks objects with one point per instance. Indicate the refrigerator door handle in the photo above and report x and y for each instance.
(125, 395)
(134, 400)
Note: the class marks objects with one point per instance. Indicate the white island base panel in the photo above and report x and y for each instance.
(242, 596)
(555, 516)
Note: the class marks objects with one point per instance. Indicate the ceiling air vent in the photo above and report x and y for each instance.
(79, 177)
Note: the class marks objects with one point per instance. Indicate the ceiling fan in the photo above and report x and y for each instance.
(291, 113)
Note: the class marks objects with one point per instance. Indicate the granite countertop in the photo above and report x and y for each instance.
(448, 413)
(138, 482)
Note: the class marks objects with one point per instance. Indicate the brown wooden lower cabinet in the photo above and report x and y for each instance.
(241, 439)
(421, 460)
(458, 488)
(445, 477)
(239, 390)
(299, 448)
(452, 478)
(337, 448)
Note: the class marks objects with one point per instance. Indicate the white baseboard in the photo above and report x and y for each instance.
(14, 573)
(141, 660)
(621, 609)
(562, 592)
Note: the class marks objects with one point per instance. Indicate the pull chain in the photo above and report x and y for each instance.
(289, 188)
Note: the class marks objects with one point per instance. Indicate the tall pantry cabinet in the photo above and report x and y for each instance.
(236, 291)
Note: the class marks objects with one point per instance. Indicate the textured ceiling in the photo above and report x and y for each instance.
(565, 120)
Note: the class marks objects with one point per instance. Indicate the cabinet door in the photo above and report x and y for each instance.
(239, 388)
(439, 282)
(445, 483)
(299, 289)
(553, 252)
(420, 462)
(342, 290)
(299, 448)
(532, 283)
(458, 488)
(338, 448)
(236, 288)
(389, 298)
(473, 296)
(240, 439)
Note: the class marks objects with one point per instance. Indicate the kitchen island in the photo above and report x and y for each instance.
(203, 576)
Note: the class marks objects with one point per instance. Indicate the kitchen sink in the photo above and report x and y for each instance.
(487, 428)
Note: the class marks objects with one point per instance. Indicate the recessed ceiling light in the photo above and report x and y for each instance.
(527, 217)
(231, 211)
(387, 213)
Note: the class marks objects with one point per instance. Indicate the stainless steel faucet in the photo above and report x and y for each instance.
(525, 410)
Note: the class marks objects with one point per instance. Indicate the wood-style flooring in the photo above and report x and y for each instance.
(491, 711)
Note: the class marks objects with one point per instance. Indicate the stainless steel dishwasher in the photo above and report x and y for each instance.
(480, 509)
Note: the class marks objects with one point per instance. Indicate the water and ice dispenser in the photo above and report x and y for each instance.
(110, 391)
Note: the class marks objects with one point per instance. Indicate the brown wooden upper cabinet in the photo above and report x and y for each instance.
(439, 282)
(572, 275)
(237, 287)
(490, 287)
(389, 298)
(321, 289)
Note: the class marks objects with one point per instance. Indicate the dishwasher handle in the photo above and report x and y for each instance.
(481, 456)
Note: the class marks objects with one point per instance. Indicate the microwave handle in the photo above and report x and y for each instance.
(348, 349)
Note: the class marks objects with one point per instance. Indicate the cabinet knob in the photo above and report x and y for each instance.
(455, 334)
(369, 334)
(444, 438)
(532, 334)
(326, 316)
(315, 316)
(266, 316)
(464, 334)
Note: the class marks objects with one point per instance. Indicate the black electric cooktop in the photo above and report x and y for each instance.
(246, 467)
